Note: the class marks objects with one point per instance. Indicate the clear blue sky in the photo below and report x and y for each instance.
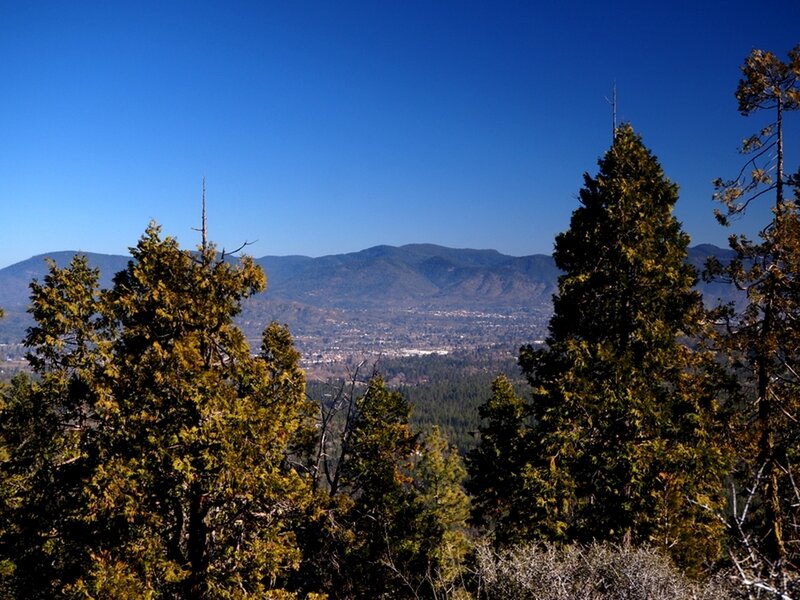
(328, 127)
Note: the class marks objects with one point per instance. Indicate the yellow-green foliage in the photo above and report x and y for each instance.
(177, 435)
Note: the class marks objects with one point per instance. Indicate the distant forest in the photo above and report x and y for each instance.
(648, 449)
(443, 390)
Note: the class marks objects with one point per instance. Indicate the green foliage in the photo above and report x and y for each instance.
(158, 462)
(446, 390)
(378, 458)
(624, 444)
(497, 465)
(445, 506)
(47, 439)
(381, 546)
(390, 511)
(761, 341)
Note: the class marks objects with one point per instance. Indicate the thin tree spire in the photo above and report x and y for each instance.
(614, 109)
(203, 227)
(613, 103)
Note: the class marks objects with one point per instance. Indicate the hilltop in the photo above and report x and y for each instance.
(392, 300)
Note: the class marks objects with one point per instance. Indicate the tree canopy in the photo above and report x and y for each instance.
(165, 441)
(622, 446)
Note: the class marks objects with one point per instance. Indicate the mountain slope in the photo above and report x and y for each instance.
(306, 291)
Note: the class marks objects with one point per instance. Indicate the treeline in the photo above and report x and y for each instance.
(443, 390)
(652, 453)
(152, 455)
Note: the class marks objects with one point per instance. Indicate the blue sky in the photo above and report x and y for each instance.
(328, 127)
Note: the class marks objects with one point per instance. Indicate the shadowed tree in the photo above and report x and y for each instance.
(496, 467)
(623, 445)
(389, 511)
(762, 340)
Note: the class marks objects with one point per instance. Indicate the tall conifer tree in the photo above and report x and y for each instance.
(162, 443)
(622, 446)
(763, 340)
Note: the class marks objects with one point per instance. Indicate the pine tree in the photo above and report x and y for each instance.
(496, 466)
(181, 439)
(762, 342)
(769, 84)
(623, 445)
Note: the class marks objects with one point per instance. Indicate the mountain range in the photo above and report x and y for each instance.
(306, 292)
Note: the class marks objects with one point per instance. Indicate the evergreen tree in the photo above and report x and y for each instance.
(496, 467)
(383, 546)
(762, 341)
(438, 478)
(623, 445)
(177, 438)
(389, 512)
(47, 435)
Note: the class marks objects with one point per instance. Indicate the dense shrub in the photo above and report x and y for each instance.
(596, 572)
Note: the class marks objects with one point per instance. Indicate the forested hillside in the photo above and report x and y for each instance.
(647, 449)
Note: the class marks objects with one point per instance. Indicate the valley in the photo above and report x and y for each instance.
(414, 300)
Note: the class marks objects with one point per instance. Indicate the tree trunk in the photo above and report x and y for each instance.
(197, 543)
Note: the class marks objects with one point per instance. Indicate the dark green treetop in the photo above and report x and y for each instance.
(622, 446)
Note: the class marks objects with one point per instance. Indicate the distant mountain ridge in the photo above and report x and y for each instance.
(420, 273)
(381, 278)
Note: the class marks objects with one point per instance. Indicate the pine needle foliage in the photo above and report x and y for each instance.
(762, 340)
(624, 445)
(161, 467)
